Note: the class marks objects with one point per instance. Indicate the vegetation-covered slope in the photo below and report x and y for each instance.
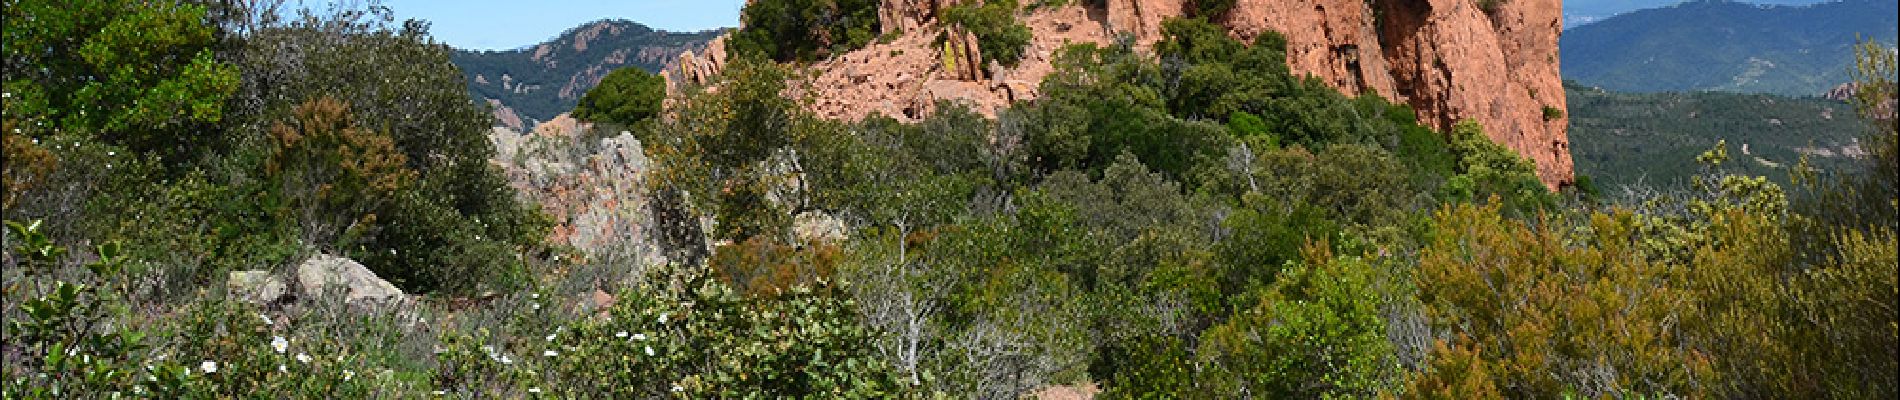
(542, 81)
(1727, 46)
(1188, 221)
(1630, 138)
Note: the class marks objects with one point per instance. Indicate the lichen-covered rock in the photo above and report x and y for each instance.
(325, 275)
(256, 287)
(815, 226)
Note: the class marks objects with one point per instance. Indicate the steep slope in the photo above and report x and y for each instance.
(1449, 59)
(533, 84)
(1727, 46)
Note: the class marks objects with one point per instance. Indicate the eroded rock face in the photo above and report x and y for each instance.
(1448, 59)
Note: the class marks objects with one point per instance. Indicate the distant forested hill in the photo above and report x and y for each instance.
(536, 83)
(1727, 46)
(1628, 138)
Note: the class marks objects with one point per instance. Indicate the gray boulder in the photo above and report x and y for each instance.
(257, 287)
(325, 274)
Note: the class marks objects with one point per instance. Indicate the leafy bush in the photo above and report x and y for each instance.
(1487, 170)
(682, 334)
(803, 30)
(626, 96)
(1317, 333)
(1211, 9)
(999, 36)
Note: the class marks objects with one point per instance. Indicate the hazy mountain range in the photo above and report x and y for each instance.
(536, 83)
(1727, 46)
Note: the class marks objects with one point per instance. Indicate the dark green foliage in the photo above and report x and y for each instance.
(1652, 139)
(704, 339)
(1262, 242)
(542, 81)
(1553, 113)
(803, 30)
(1194, 224)
(998, 35)
(1733, 46)
(1487, 170)
(1318, 333)
(1490, 6)
(627, 96)
(1212, 9)
(398, 82)
(123, 73)
(1107, 102)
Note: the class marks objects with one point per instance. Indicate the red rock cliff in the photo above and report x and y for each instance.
(1448, 59)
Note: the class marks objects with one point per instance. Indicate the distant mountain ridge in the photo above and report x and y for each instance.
(1653, 139)
(1583, 12)
(536, 83)
(1722, 45)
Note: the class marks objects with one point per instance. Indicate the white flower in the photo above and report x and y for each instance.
(441, 393)
(640, 336)
(303, 358)
(649, 350)
(621, 334)
(278, 343)
(550, 337)
(281, 369)
(347, 374)
(550, 353)
(534, 295)
(534, 390)
(537, 306)
(210, 367)
(662, 318)
(506, 361)
(266, 318)
(677, 388)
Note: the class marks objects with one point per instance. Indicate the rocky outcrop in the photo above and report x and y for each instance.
(695, 68)
(1449, 59)
(595, 192)
(256, 287)
(1142, 18)
(325, 274)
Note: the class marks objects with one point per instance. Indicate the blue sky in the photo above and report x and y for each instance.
(508, 24)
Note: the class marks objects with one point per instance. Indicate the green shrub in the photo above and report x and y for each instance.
(999, 36)
(1212, 9)
(803, 30)
(1487, 169)
(681, 334)
(1317, 333)
(1553, 113)
(625, 97)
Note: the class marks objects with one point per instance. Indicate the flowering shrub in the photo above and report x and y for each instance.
(684, 334)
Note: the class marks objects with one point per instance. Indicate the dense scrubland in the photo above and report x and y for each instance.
(1194, 221)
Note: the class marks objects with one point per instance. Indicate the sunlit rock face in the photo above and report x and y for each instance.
(1449, 59)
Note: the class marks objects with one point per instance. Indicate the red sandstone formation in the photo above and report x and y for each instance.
(1448, 59)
